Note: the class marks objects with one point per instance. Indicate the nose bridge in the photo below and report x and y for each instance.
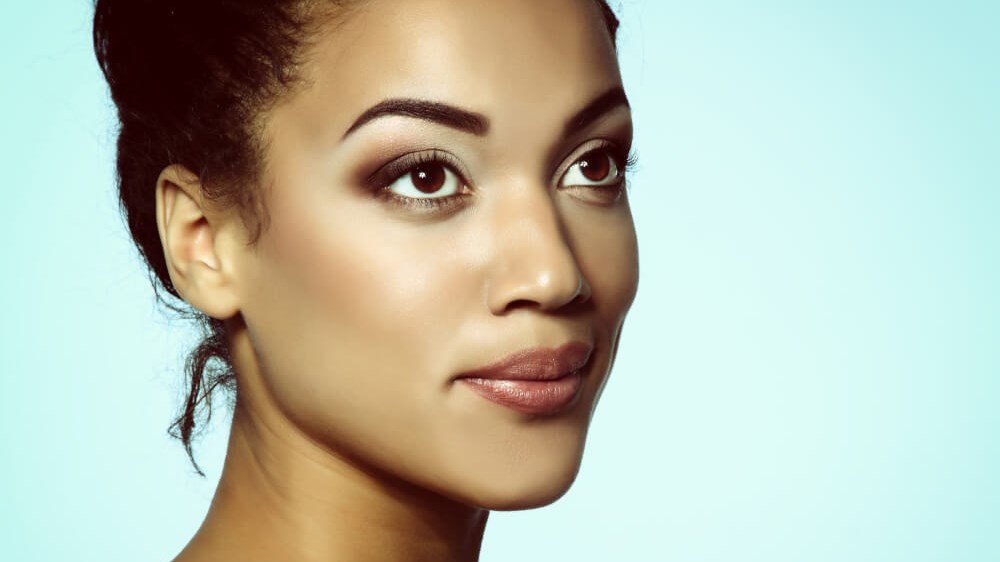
(534, 262)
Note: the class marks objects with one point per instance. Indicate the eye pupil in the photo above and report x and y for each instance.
(428, 178)
(595, 165)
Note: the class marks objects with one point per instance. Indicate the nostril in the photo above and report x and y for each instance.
(553, 301)
(521, 303)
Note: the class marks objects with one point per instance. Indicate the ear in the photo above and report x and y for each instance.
(199, 267)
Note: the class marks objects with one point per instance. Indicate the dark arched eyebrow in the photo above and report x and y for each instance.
(445, 114)
(592, 111)
(477, 123)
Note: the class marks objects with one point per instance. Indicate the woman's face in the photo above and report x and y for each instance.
(424, 242)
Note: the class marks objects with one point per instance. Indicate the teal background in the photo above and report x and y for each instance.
(809, 371)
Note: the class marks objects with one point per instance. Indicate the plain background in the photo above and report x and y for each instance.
(809, 371)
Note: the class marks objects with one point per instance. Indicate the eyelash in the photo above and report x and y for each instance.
(624, 161)
(384, 177)
(391, 172)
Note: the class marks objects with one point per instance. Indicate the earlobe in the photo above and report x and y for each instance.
(198, 266)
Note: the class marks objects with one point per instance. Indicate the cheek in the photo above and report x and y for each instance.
(349, 312)
(609, 258)
(607, 252)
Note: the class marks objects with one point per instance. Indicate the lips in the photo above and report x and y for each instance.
(539, 381)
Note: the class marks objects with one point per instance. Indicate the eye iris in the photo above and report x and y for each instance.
(595, 166)
(428, 178)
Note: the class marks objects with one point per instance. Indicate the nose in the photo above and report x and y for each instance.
(534, 264)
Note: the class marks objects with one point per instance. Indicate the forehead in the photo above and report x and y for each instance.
(487, 55)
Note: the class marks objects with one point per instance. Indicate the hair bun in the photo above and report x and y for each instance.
(142, 47)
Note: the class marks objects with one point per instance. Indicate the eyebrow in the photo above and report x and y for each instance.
(477, 123)
(445, 114)
(602, 104)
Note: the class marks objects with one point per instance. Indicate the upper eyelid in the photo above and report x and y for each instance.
(397, 167)
(578, 151)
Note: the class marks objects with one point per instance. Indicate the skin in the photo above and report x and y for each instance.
(350, 318)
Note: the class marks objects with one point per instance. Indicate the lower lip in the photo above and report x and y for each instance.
(529, 397)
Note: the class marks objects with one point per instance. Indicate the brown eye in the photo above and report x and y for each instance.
(428, 178)
(595, 165)
(596, 168)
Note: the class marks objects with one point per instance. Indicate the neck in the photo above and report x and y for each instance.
(282, 496)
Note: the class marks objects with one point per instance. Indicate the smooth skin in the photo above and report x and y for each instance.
(351, 317)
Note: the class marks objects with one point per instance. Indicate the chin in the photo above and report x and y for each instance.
(529, 498)
(533, 485)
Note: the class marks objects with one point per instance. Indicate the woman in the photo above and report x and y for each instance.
(405, 228)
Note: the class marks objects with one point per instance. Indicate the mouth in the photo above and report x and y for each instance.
(538, 381)
(536, 397)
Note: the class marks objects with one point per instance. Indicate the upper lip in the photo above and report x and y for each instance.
(540, 363)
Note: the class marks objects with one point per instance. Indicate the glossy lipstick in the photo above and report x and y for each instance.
(534, 381)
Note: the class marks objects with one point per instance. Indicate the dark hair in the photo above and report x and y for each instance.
(191, 79)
